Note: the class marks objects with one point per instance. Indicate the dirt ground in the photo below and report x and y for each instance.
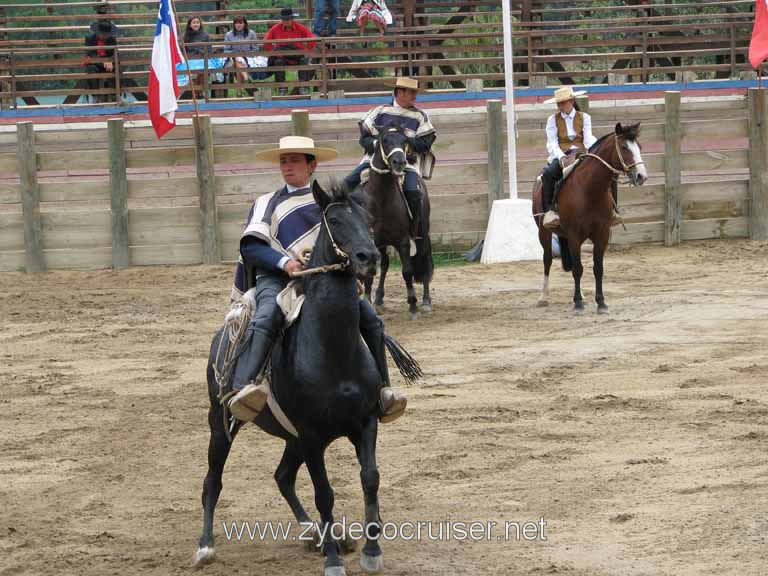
(641, 437)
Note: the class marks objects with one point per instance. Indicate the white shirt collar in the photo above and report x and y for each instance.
(292, 189)
(570, 116)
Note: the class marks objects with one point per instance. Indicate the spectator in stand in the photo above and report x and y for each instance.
(323, 8)
(288, 29)
(241, 34)
(102, 11)
(194, 33)
(99, 41)
(365, 11)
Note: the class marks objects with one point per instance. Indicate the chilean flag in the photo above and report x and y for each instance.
(758, 46)
(163, 85)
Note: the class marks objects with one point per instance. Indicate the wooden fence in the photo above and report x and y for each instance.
(97, 198)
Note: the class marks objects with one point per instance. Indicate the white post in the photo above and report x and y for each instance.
(509, 86)
(511, 234)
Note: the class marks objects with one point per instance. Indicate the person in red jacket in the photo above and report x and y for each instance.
(281, 34)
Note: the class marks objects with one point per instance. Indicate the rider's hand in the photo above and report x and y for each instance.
(293, 266)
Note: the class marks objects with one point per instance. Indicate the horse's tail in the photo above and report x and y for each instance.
(423, 264)
(406, 364)
(565, 253)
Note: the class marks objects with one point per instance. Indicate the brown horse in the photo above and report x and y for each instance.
(585, 205)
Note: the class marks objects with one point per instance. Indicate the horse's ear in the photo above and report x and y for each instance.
(619, 129)
(321, 197)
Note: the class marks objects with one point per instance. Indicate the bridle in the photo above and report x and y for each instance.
(385, 157)
(625, 167)
(338, 266)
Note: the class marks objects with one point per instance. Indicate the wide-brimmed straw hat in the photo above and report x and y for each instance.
(405, 82)
(563, 94)
(297, 145)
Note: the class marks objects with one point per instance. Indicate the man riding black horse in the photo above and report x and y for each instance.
(280, 227)
(415, 124)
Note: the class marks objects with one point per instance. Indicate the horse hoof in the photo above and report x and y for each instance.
(204, 556)
(602, 309)
(414, 316)
(371, 564)
(335, 571)
(542, 303)
(578, 308)
(426, 308)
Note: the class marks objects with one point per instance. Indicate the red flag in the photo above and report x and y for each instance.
(758, 46)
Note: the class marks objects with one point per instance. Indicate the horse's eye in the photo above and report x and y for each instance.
(333, 220)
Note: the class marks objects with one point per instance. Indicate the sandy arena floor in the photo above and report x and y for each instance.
(640, 437)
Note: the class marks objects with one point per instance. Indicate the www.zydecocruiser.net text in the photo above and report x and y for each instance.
(437, 531)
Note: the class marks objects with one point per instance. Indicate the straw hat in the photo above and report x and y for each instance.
(405, 82)
(297, 145)
(563, 94)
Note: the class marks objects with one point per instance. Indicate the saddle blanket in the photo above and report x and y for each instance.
(291, 299)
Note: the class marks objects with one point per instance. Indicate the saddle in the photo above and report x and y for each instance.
(571, 160)
(569, 164)
(232, 343)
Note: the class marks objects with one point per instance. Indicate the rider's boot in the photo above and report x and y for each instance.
(551, 220)
(391, 403)
(250, 394)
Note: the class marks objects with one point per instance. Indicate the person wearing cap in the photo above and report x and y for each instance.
(286, 35)
(280, 226)
(102, 43)
(569, 131)
(415, 124)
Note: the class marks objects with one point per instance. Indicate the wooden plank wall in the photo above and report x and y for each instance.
(163, 206)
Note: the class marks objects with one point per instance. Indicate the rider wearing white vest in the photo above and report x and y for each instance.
(569, 131)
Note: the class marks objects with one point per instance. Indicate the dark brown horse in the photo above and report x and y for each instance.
(391, 222)
(585, 206)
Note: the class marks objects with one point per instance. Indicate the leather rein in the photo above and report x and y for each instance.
(625, 167)
(339, 252)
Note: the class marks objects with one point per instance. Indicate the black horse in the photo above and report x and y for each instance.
(391, 223)
(325, 380)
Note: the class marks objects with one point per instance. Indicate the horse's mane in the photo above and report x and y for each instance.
(339, 191)
(599, 142)
(627, 132)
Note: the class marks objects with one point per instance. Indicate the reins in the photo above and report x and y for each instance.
(339, 252)
(616, 172)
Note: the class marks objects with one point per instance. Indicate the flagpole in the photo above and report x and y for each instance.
(180, 38)
(510, 98)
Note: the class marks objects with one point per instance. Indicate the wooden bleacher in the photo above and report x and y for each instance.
(445, 42)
